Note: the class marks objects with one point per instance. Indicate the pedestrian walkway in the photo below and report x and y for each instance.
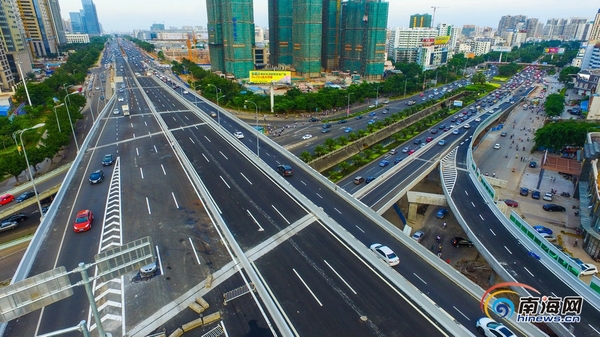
(512, 171)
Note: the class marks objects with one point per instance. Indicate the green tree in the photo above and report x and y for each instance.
(566, 74)
(305, 156)
(344, 166)
(320, 150)
(555, 136)
(330, 144)
(479, 78)
(555, 105)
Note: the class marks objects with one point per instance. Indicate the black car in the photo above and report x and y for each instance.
(12, 221)
(553, 208)
(369, 179)
(532, 164)
(535, 194)
(25, 196)
(524, 191)
(108, 160)
(460, 241)
(314, 119)
(417, 141)
(96, 177)
(285, 170)
(342, 121)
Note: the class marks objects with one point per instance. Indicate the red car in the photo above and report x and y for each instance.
(83, 221)
(5, 199)
(411, 152)
(511, 203)
(429, 139)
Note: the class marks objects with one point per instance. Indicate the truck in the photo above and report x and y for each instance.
(125, 109)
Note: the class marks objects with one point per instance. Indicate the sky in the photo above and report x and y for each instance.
(126, 15)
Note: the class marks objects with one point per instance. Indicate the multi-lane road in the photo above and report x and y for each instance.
(321, 284)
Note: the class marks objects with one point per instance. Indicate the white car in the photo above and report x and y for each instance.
(491, 328)
(185, 92)
(385, 253)
(466, 126)
(418, 236)
(548, 196)
(497, 146)
(116, 111)
(238, 135)
(588, 269)
(121, 99)
(478, 119)
(305, 137)
(548, 237)
(372, 106)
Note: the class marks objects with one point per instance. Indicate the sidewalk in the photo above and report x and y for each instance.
(508, 183)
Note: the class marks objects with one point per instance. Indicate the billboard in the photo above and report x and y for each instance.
(427, 41)
(458, 103)
(268, 76)
(441, 39)
(554, 50)
(502, 49)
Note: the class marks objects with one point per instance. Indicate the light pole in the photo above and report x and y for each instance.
(70, 121)
(56, 115)
(405, 82)
(219, 110)
(377, 99)
(24, 83)
(348, 109)
(256, 127)
(27, 161)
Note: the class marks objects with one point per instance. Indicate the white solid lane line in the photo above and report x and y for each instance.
(174, 199)
(225, 182)
(307, 288)
(148, 204)
(249, 182)
(507, 249)
(340, 277)
(194, 250)
(260, 228)
(142, 173)
(163, 169)
(417, 276)
(278, 212)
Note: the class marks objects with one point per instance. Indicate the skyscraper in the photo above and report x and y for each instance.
(595, 33)
(92, 25)
(76, 22)
(310, 36)
(231, 36)
(420, 21)
(363, 37)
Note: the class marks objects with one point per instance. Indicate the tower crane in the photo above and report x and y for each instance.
(433, 18)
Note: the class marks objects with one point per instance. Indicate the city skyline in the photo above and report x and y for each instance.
(115, 16)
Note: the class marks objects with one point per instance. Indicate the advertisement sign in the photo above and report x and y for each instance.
(268, 76)
(554, 50)
(458, 103)
(501, 49)
(441, 39)
(427, 41)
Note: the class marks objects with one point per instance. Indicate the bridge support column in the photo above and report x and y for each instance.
(412, 211)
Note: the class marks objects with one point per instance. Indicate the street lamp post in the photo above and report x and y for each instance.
(219, 110)
(24, 83)
(348, 109)
(405, 82)
(70, 121)
(256, 112)
(377, 99)
(56, 115)
(27, 161)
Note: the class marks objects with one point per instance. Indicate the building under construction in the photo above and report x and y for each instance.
(328, 35)
(231, 36)
(363, 37)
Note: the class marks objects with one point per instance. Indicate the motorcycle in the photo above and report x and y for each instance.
(565, 194)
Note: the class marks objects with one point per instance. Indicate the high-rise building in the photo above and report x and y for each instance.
(39, 28)
(57, 22)
(156, 27)
(420, 21)
(404, 43)
(307, 34)
(92, 25)
(280, 32)
(468, 30)
(231, 36)
(509, 22)
(595, 33)
(363, 37)
(76, 23)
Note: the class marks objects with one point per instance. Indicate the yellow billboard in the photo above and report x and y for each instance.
(268, 76)
(441, 39)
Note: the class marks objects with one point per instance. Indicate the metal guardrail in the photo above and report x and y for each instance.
(413, 293)
(38, 238)
(560, 329)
